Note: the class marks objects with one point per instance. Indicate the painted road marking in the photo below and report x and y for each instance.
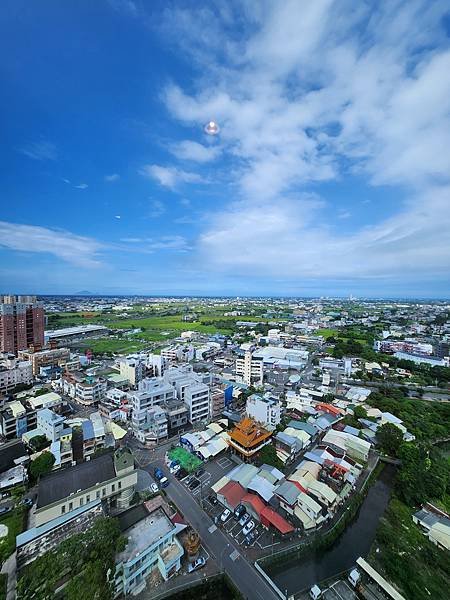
(212, 529)
(234, 555)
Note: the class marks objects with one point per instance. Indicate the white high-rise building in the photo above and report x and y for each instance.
(250, 368)
(266, 411)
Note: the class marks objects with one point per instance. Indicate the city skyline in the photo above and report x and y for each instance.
(330, 174)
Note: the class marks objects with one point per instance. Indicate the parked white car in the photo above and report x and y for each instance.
(249, 527)
(225, 515)
(154, 488)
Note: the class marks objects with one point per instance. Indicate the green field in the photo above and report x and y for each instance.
(102, 345)
(327, 332)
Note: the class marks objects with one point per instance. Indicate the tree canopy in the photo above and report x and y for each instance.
(389, 437)
(42, 465)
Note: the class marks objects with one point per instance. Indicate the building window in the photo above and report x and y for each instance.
(70, 506)
(88, 498)
(104, 492)
(119, 485)
(113, 487)
(63, 509)
(97, 494)
(81, 501)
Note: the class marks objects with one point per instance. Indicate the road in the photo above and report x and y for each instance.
(244, 576)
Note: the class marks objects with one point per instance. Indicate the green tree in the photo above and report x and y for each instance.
(359, 412)
(268, 456)
(42, 465)
(389, 437)
(39, 442)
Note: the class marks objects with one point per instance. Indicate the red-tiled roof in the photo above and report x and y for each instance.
(329, 408)
(177, 518)
(255, 501)
(270, 517)
(233, 493)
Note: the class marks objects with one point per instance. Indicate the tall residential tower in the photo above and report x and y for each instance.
(21, 323)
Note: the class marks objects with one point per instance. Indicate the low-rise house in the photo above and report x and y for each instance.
(308, 511)
(231, 494)
(288, 493)
(435, 524)
(287, 446)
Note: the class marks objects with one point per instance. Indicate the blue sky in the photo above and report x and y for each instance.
(330, 174)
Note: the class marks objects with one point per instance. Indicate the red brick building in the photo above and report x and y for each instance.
(21, 323)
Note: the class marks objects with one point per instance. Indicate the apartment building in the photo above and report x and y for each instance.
(151, 544)
(198, 401)
(14, 372)
(49, 356)
(178, 353)
(19, 416)
(132, 369)
(150, 425)
(21, 323)
(111, 478)
(264, 410)
(151, 392)
(85, 389)
(50, 424)
(249, 368)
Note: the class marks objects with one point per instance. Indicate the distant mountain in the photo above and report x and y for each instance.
(84, 293)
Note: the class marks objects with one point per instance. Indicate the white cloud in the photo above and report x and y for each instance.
(170, 177)
(81, 186)
(127, 7)
(112, 178)
(42, 150)
(157, 208)
(276, 240)
(77, 250)
(193, 151)
(175, 243)
(313, 91)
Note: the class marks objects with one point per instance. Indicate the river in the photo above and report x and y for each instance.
(298, 574)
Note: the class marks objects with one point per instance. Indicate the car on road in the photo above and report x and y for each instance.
(154, 488)
(243, 520)
(239, 511)
(248, 527)
(212, 500)
(197, 564)
(225, 515)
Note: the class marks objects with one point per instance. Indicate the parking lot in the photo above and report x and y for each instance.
(212, 471)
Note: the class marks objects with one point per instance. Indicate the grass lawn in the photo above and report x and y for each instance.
(156, 325)
(99, 346)
(407, 558)
(15, 523)
(327, 332)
